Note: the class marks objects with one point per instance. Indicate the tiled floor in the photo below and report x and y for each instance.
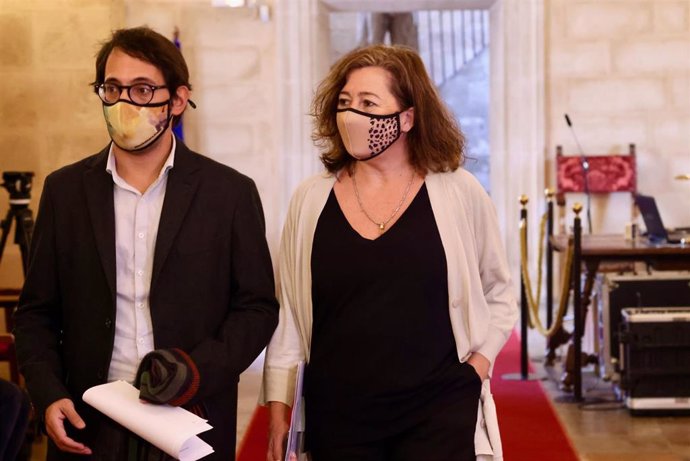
(600, 428)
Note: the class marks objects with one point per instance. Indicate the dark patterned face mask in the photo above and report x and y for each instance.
(367, 135)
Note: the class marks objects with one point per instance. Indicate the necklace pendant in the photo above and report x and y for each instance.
(382, 226)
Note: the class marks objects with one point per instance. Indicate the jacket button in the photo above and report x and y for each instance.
(108, 323)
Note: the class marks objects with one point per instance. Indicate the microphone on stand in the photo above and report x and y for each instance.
(585, 174)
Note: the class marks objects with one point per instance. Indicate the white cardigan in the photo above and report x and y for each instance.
(482, 305)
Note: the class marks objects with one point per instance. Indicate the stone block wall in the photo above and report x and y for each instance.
(49, 115)
(621, 70)
(231, 56)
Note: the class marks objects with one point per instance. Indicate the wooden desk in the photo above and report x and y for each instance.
(598, 248)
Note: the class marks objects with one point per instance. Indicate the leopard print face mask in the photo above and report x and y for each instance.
(367, 135)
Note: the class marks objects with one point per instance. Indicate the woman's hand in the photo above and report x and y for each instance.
(481, 364)
(277, 430)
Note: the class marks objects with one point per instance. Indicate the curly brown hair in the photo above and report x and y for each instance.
(435, 141)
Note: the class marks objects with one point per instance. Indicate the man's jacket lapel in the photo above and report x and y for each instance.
(183, 180)
(98, 185)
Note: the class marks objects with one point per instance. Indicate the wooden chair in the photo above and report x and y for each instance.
(612, 173)
(9, 298)
(606, 174)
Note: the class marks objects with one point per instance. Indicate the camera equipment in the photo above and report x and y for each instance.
(18, 184)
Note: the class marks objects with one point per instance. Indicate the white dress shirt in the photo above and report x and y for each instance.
(136, 225)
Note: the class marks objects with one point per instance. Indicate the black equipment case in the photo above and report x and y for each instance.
(655, 359)
(621, 291)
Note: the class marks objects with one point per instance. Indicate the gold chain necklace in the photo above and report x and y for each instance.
(381, 225)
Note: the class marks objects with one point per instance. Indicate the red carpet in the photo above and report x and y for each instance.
(254, 444)
(530, 429)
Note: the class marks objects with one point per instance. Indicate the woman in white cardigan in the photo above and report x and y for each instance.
(394, 285)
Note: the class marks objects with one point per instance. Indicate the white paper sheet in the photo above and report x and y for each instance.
(171, 429)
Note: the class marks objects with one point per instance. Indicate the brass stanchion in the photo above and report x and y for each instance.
(532, 297)
(549, 193)
(576, 281)
(577, 303)
(524, 374)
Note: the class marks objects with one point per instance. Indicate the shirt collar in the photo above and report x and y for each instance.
(111, 164)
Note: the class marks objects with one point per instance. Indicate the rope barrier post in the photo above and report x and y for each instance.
(550, 352)
(524, 370)
(524, 374)
(573, 364)
(577, 303)
(549, 193)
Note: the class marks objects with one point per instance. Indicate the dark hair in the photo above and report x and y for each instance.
(148, 45)
(435, 141)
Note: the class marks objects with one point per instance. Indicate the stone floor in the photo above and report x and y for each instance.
(600, 428)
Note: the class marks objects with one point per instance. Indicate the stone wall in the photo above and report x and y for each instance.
(49, 116)
(231, 56)
(621, 70)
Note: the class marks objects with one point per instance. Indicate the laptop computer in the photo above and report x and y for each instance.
(656, 232)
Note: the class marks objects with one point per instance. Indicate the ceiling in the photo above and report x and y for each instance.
(392, 6)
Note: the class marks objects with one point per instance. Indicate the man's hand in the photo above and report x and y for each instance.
(55, 416)
(277, 431)
(481, 364)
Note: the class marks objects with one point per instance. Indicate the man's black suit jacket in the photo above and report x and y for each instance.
(212, 289)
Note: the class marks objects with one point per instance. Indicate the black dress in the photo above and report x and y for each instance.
(383, 354)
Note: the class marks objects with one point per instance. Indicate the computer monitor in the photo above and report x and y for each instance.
(656, 232)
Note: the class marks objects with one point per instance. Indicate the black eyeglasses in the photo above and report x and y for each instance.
(139, 93)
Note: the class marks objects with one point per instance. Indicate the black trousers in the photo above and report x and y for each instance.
(447, 434)
(14, 419)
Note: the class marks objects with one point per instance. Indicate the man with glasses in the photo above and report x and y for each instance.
(148, 264)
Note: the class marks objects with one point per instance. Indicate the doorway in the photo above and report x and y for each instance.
(516, 82)
(454, 45)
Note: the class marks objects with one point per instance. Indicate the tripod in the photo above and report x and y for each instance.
(18, 184)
